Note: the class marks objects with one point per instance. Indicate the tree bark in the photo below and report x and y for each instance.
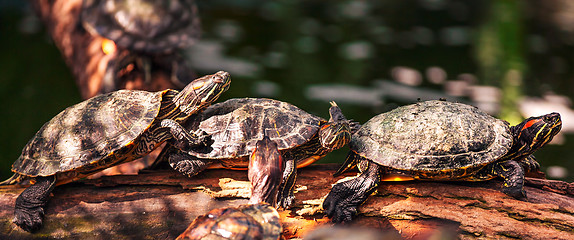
(162, 204)
(83, 51)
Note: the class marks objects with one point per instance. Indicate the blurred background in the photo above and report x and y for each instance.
(511, 58)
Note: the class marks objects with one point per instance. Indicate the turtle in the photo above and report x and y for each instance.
(148, 34)
(256, 220)
(245, 222)
(439, 140)
(151, 26)
(236, 124)
(104, 131)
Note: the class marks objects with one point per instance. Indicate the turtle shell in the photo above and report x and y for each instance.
(253, 221)
(144, 25)
(433, 136)
(236, 124)
(86, 133)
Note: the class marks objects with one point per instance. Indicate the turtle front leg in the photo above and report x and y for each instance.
(29, 209)
(513, 175)
(182, 138)
(529, 164)
(185, 163)
(286, 196)
(345, 197)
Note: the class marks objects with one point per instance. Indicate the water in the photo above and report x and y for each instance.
(369, 56)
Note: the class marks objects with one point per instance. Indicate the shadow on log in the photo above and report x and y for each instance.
(162, 204)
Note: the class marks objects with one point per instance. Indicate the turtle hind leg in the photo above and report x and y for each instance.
(513, 175)
(29, 209)
(342, 202)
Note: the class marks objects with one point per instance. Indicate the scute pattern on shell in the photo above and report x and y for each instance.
(154, 26)
(88, 131)
(236, 124)
(433, 136)
(253, 221)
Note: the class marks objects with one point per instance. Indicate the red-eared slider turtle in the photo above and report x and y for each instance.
(438, 140)
(246, 222)
(258, 220)
(148, 34)
(152, 26)
(104, 131)
(236, 124)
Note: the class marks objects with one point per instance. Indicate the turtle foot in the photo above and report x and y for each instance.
(517, 193)
(341, 203)
(29, 219)
(286, 201)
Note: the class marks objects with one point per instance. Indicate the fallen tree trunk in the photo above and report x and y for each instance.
(161, 204)
(83, 51)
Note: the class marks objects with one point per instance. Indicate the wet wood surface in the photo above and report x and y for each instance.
(161, 204)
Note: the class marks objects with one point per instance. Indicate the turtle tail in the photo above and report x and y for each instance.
(15, 179)
(350, 162)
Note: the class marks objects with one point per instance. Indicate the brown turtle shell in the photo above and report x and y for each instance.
(86, 134)
(253, 221)
(433, 136)
(146, 25)
(237, 124)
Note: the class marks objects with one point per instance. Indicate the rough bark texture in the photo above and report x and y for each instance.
(160, 205)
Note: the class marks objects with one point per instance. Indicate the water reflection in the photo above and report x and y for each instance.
(369, 56)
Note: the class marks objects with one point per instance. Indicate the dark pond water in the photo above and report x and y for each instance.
(369, 56)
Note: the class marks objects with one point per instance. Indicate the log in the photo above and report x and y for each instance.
(161, 204)
(83, 53)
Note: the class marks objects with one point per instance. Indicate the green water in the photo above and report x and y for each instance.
(282, 49)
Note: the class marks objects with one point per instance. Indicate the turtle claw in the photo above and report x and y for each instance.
(29, 219)
(517, 193)
(339, 207)
(286, 201)
(345, 197)
(338, 212)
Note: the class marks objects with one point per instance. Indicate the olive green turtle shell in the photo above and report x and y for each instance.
(237, 124)
(433, 136)
(84, 134)
(146, 25)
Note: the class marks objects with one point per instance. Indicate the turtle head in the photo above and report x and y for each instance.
(335, 133)
(265, 172)
(201, 92)
(533, 133)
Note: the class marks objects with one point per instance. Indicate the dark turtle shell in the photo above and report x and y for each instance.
(144, 25)
(84, 134)
(253, 221)
(433, 136)
(237, 124)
